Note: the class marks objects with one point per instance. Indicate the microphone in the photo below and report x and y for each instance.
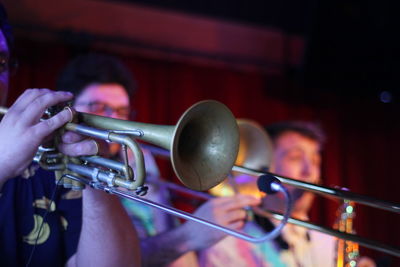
(269, 184)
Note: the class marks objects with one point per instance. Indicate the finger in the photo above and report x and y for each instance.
(71, 137)
(48, 126)
(35, 110)
(82, 148)
(236, 225)
(25, 99)
(232, 202)
(241, 201)
(220, 201)
(29, 95)
(235, 215)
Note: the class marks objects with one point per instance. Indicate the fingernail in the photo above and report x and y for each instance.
(97, 148)
(66, 93)
(67, 137)
(71, 113)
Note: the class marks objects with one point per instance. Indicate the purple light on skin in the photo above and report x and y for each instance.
(385, 97)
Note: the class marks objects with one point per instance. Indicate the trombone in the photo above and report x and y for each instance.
(203, 146)
(254, 155)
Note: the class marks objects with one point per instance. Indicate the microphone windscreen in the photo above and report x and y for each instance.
(264, 183)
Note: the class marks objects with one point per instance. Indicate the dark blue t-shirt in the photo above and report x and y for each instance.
(23, 203)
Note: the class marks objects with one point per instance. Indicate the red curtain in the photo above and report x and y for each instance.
(363, 138)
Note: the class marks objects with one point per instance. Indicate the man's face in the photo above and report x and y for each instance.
(297, 157)
(4, 73)
(109, 100)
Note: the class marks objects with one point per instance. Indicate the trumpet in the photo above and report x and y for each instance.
(254, 158)
(203, 147)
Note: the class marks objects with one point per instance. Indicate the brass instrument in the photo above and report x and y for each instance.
(255, 146)
(255, 168)
(347, 251)
(203, 145)
(203, 148)
(255, 152)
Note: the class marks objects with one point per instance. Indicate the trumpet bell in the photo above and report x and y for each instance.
(255, 146)
(205, 145)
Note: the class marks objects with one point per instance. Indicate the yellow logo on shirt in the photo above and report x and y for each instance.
(40, 232)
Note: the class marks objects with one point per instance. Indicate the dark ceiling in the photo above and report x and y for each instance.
(352, 46)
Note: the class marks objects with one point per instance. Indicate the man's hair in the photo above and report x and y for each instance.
(5, 27)
(94, 68)
(304, 128)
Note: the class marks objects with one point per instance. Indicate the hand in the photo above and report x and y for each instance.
(225, 211)
(366, 262)
(21, 131)
(74, 144)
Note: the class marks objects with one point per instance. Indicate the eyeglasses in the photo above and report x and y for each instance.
(103, 108)
(7, 64)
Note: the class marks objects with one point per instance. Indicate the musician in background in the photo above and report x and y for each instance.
(35, 228)
(296, 154)
(297, 147)
(103, 86)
